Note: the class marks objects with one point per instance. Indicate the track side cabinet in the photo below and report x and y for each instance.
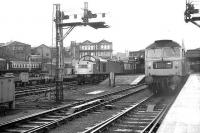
(7, 91)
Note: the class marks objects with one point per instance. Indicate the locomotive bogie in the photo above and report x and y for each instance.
(163, 84)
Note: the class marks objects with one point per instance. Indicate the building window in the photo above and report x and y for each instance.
(101, 46)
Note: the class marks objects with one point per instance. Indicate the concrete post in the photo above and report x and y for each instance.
(112, 79)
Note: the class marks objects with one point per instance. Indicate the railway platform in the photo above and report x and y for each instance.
(125, 80)
(184, 114)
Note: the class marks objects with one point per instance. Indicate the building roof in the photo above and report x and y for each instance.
(197, 49)
(15, 43)
(163, 43)
(103, 41)
(87, 42)
(137, 54)
(193, 53)
(100, 42)
(42, 45)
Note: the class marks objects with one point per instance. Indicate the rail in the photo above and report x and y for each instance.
(150, 126)
(38, 89)
(52, 117)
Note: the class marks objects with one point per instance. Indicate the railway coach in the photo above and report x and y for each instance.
(165, 65)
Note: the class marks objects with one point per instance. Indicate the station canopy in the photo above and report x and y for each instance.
(193, 53)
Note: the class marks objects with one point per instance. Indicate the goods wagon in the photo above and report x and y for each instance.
(7, 90)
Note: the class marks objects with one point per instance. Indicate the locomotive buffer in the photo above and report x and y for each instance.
(60, 26)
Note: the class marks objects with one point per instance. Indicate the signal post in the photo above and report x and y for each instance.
(190, 11)
(60, 25)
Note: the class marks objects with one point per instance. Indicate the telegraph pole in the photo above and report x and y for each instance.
(60, 26)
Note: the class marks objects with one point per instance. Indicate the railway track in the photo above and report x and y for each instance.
(44, 121)
(38, 89)
(142, 117)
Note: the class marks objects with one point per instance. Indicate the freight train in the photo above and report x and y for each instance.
(92, 69)
(165, 65)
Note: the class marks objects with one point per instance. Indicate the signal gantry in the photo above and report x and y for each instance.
(60, 26)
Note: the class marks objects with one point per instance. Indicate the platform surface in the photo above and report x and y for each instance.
(125, 80)
(184, 114)
(138, 79)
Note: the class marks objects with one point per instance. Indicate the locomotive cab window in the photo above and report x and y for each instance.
(154, 53)
(171, 52)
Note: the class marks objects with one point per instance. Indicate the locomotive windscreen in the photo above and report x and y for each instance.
(171, 52)
(154, 53)
(163, 53)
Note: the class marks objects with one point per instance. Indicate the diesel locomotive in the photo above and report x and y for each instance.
(165, 65)
(91, 68)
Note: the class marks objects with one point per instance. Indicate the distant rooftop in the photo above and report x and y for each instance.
(11, 43)
(89, 42)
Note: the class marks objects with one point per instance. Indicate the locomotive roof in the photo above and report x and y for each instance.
(163, 43)
(92, 58)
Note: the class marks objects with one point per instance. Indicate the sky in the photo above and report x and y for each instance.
(133, 24)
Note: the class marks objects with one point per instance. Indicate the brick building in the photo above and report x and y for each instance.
(102, 49)
(15, 50)
(40, 53)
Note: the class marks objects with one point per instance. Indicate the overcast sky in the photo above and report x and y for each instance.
(134, 24)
